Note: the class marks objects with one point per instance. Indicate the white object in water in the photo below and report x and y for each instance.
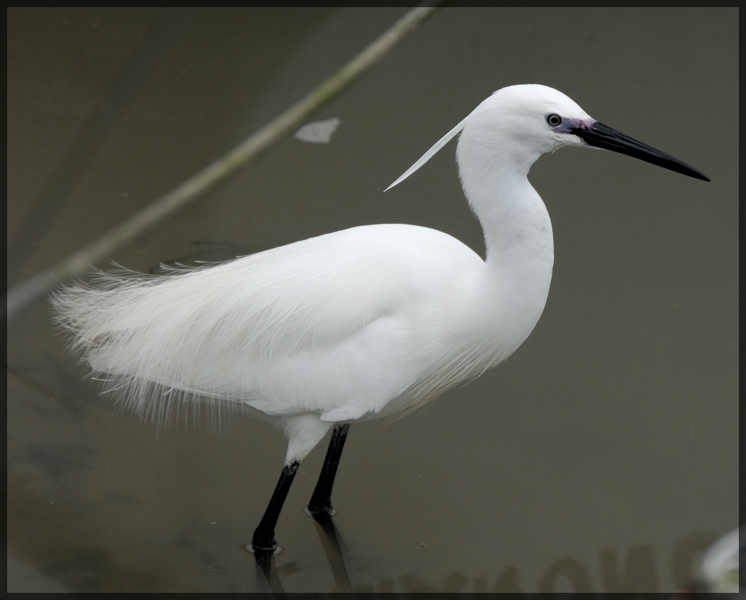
(318, 132)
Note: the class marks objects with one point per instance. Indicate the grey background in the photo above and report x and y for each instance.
(602, 455)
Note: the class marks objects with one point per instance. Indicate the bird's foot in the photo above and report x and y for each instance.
(263, 544)
(268, 551)
(322, 511)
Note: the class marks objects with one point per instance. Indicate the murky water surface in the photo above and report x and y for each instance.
(602, 456)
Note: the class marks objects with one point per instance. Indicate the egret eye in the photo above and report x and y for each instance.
(554, 120)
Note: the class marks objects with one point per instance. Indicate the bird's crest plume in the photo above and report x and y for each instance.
(430, 153)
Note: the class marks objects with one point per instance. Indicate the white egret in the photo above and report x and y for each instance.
(357, 324)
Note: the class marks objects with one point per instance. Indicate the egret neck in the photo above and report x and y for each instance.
(516, 225)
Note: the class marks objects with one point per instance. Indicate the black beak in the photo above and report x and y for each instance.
(603, 136)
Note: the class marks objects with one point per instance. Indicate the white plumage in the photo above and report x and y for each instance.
(357, 324)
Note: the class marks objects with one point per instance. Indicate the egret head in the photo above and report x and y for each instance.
(541, 119)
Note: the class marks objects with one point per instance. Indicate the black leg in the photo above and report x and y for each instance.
(320, 506)
(264, 535)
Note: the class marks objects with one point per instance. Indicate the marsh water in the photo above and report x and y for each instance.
(601, 456)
